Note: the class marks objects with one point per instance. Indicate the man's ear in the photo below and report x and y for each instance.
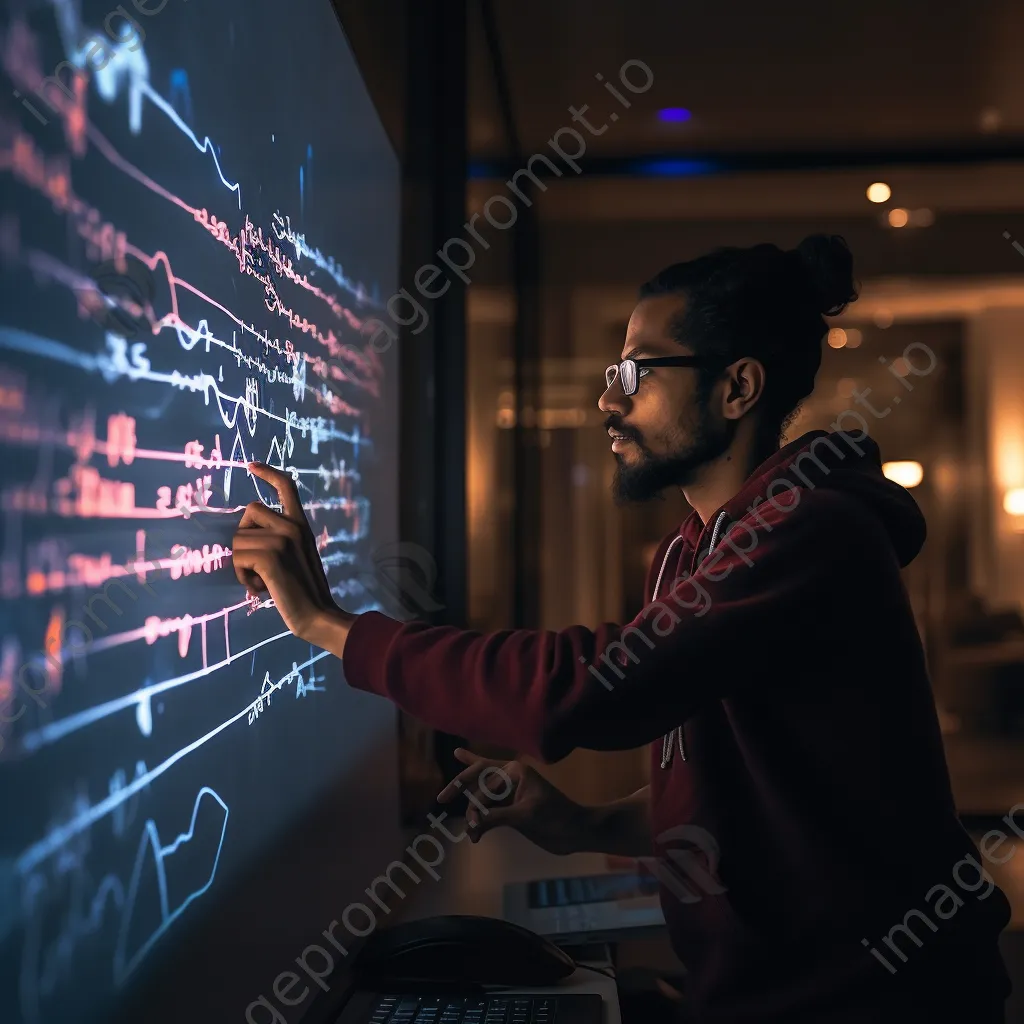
(746, 382)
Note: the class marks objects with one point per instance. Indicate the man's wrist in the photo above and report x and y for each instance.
(621, 827)
(330, 629)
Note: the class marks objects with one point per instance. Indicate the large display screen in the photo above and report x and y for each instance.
(199, 216)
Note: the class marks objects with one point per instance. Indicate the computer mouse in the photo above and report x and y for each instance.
(461, 948)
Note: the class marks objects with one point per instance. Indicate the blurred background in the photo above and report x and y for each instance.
(899, 125)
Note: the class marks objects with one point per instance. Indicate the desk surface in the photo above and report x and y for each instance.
(472, 879)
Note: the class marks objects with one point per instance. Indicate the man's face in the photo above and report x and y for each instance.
(668, 429)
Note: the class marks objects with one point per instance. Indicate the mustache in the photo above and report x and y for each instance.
(614, 423)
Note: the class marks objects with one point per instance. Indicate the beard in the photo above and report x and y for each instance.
(646, 478)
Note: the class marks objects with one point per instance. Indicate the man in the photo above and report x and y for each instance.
(796, 762)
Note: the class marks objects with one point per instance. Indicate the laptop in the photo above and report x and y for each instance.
(412, 1007)
(381, 986)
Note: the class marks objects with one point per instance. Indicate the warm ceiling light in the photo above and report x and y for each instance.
(906, 474)
(991, 120)
(1013, 502)
(899, 218)
(837, 337)
(879, 192)
(853, 337)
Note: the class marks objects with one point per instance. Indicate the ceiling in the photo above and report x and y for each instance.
(789, 75)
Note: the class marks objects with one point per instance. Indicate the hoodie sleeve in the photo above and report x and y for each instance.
(778, 584)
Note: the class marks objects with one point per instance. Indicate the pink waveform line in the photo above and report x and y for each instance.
(140, 512)
(198, 462)
(28, 500)
(200, 381)
(52, 178)
(253, 236)
(99, 140)
(219, 231)
(94, 571)
(156, 628)
(30, 433)
(22, 61)
(173, 318)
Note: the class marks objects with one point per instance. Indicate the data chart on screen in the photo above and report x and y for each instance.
(199, 228)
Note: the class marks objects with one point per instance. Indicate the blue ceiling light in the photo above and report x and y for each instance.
(672, 167)
(674, 115)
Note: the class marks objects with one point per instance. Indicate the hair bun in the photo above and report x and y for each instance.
(828, 265)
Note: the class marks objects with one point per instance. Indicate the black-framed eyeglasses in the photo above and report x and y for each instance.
(629, 370)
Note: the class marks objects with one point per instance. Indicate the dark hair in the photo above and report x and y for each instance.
(763, 302)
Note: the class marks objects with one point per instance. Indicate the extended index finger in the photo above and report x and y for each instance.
(291, 504)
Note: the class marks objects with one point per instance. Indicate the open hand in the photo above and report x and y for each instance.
(516, 795)
(276, 553)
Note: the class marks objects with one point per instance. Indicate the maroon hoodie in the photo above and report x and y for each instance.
(780, 679)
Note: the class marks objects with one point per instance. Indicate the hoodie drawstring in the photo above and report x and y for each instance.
(677, 734)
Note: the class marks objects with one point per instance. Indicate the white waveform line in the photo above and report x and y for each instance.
(151, 838)
(55, 731)
(117, 365)
(31, 435)
(131, 65)
(39, 851)
(113, 367)
(325, 263)
(43, 263)
(206, 146)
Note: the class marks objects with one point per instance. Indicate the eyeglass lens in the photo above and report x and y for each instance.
(628, 372)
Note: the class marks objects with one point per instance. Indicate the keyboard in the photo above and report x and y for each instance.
(481, 1010)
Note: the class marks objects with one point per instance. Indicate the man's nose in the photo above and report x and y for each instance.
(613, 399)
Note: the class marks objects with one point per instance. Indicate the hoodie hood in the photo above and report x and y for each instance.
(834, 460)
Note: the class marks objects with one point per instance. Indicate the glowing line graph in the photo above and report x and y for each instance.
(82, 440)
(79, 124)
(76, 927)
(60, 836)
(235, 243)
(206, 146)
(283, 231)
(99, 140)
(52, 178)
(161, 259)
(86, 571)
(119, 362)
(151, 841)
(115, 364)
(140, 698)
(156, 628)
(131, 66)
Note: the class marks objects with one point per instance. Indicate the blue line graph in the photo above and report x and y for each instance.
(45, 961)
(55, 731)
(61, 835)
(206, 146)
(44, 964)
(125, 64)
(124, 963)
